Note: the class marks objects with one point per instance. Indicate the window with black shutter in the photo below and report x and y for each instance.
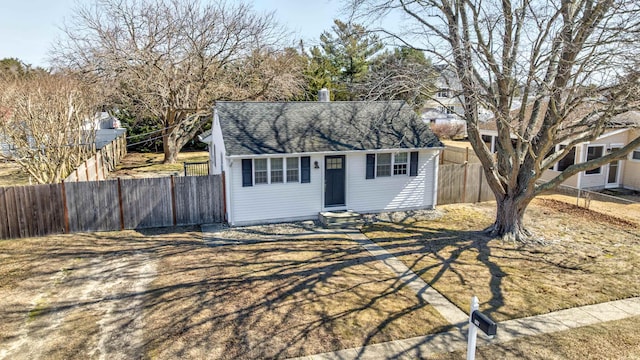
(371, 166)
(305, 169)
(413, 164)
(247, 173)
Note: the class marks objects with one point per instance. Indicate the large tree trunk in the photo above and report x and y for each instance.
(509, 223)
(170, 148)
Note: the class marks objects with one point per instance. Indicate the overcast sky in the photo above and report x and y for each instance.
(28, 27)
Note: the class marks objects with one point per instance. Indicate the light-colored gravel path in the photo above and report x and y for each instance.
(109, 288)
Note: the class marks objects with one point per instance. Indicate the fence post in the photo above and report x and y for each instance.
(173, 202)
(480, 185)
(86, 170)
(97, 170)
(464, 184)
(120, 205)
(65, 209)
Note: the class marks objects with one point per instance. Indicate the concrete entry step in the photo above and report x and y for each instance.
(340, 219)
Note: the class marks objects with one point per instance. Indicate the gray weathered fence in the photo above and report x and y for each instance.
(38, 210)
(462, 183)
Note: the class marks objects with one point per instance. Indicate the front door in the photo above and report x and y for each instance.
(334, 180)
(614, 170)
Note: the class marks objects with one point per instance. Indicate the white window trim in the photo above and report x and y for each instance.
(253, 173)
(393, 161)
(631, 155)
(586, 158)
(284, 170)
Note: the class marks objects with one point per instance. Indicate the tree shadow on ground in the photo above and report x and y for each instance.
(178, 293)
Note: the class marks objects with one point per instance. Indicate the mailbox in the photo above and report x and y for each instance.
(485, 324)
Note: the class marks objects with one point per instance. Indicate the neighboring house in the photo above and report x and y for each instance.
(107, 128)
(623, 173)
(287, 161)
(445, 105)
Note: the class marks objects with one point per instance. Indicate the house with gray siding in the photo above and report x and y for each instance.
(287, 161)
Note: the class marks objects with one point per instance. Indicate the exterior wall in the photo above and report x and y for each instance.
(217, 160)
(273, 202)
(631, 168)
(394, 192)
(296, 201)
(599, 181)
(550, 174)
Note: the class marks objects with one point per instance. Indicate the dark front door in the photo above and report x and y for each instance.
(334, 181)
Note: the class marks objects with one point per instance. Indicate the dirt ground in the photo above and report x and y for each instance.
(11, 175)
(260, 292)
(629, 212)
(168, 295)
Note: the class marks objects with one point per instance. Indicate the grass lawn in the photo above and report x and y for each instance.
(12, 175)
(610, 340)
(171, 295)
(150, 164)
(591, 258)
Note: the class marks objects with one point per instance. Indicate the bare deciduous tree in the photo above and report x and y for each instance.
(569, 62)
(42, 120)
(170, 59)
(404, 74)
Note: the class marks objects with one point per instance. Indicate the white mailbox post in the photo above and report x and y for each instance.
(478, 320)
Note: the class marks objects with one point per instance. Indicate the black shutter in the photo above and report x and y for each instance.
(305, 165)
(247, 172)
(371, 166)
(413, 164)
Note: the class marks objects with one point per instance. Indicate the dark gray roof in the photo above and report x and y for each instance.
(298, 127)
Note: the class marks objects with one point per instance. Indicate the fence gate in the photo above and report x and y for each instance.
(196, 168)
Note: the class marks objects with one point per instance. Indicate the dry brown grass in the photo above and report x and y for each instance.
(279, 299)
(68, 296)
(12, 175)
(590, 258)
(150, 164)
(610, 340)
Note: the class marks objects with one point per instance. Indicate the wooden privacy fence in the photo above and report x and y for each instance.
(110, 205)
(104, 161)
(457, 155)
(462, 183)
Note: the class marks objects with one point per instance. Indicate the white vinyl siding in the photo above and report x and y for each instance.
(275, 202)
(392, 192)
(296, 201)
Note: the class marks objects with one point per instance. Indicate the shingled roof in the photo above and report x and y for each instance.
(298, 127)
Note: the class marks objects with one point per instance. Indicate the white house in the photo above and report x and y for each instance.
(286, 161)
(620, 131)
(106, 128)
(445, 106)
